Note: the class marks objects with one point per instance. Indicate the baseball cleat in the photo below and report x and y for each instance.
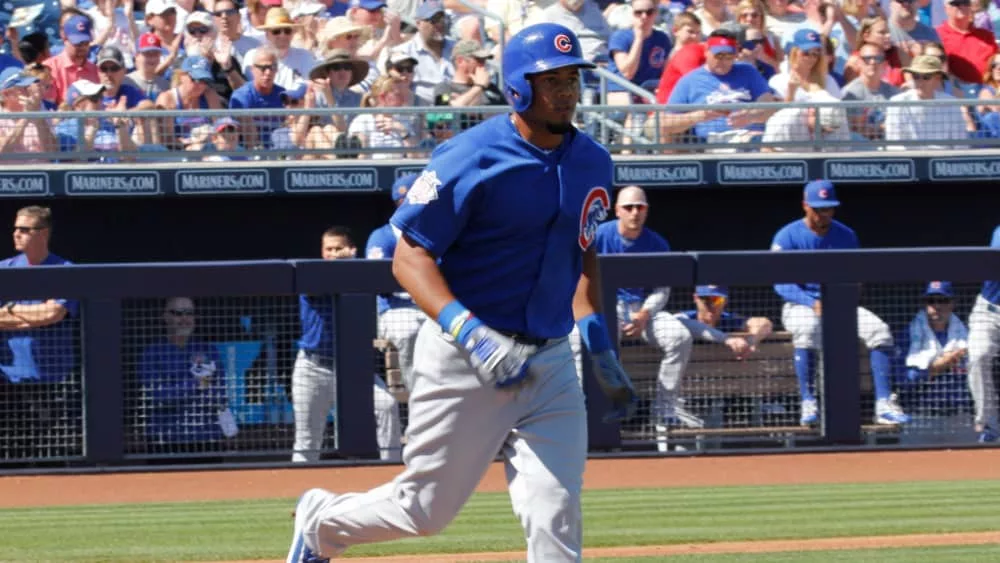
(299, 552)
(988, 435)
(810, 413)
(887, 411)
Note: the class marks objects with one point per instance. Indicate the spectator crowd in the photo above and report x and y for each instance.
(275, 55)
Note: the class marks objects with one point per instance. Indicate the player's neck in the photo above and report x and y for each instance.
(36, 257)
(536, 134)
(939, 325)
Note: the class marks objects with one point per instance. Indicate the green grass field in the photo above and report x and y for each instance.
(218, 531)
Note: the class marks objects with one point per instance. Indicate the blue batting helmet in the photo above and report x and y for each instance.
(534, 49)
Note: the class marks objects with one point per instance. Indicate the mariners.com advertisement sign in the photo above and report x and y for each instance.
(651, 173)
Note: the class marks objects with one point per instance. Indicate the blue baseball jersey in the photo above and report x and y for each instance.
(743, 83)
(797, 236)
(991, 288)
(509, 222)
(316, 314)
(653, 57)
(382, 244)
(178, 408)
(728, 322)
(46, 353)
(610, 241)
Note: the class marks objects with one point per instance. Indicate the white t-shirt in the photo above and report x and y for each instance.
(923, 122)
(364, 125)
(789, 126)
(779, 83)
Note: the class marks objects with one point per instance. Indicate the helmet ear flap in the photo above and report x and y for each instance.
(518, 91)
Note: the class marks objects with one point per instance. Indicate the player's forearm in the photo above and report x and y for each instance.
(42, 314)
(416, 270)
(587, 299)
(794, 293)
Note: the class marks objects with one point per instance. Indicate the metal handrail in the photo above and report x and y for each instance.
(625, 83)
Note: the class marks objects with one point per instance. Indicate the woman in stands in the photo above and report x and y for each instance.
(384, 130)
(808, 70)
(876, 32)
(751, 14)
(191, 91)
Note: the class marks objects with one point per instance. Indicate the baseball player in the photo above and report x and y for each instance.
(984, 343)
(800, 315)
(497, 231)
(640, 311)
(399, 318)
(314, 377)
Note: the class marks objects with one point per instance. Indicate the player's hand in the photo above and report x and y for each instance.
(640, 319)
(616, 385)
(498, 357)
(739, 346)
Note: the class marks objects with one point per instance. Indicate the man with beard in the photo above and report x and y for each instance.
(431, 49)
(803, 308)
(501, 285)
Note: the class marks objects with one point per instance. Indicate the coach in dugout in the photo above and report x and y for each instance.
(38, 350)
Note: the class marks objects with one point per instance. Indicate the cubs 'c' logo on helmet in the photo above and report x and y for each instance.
(595, 209)
(563, 43)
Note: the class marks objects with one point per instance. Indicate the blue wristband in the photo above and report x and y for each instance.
(457, 321)
(594, 333)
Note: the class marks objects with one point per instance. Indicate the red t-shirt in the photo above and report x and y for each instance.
(969, 53)
(688, 58)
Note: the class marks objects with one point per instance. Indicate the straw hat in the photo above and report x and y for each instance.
(926, 64)
(359, 68)
(341, 25)
(278, 18)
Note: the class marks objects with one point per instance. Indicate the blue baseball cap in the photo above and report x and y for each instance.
(199, 68)
(371, 5)
(12, 77)
(820, 194)
(712, 291)
(77, 29)
(939, 288)
(401, 186)
(807, 39)
(428, 9)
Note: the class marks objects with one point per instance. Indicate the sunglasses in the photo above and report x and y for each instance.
(199, 30)
(26, 230)
(647, 12)
(264, 68)
(181, 312)
(438, 18)
(108, 69)
(282, 31)
(960, 4)
(753, 14)
(633, 206)
(812, 53)
(874, 59)
(405, 69)
(922, 76)
(341, 66)
(226, 12)
(352, 36)
(713, 301)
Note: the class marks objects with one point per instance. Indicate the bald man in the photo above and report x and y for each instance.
(640, 310)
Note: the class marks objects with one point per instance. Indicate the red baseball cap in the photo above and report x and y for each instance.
(271, 3)
(149, 42)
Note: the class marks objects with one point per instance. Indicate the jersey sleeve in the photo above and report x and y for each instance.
(437, 206)
(995, 243)
(621, 40)
(376, 249)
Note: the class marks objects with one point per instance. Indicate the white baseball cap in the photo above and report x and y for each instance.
(158, 7)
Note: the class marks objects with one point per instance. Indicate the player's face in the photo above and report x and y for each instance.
(179, 317)
(554, 97)
(336, 247)
(710, 308)
(633, 215)
(819, 218)
(29, 235)
(939, 307)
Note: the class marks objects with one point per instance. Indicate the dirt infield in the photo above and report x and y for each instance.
(866, 467)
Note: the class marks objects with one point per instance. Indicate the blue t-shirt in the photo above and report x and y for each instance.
(131, 94)
(797, 236)
(991, 288)
(247, 97)
(316, 314)
(728, 322)
(510, 221)
(610, 241)
(741, 84)
(382, 245)
(178, 408)
(655, 50)
(7, 61)
(47, 353)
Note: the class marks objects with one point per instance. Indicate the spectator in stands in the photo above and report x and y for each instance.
(584, 17)
(71, 64)
(439, 128)
(44, 76)
(751, 14)
(109, 135)
(306, 16)
(780, 20)
(34, 48)
(751, 49)
(147, 76)
(192, 90)
(721, 81)
(329, 87)
(816, 126)
(38, 351)
(984, 344)
(111, 70)
(399, 319)
(114, 27)
(712, 14)
(906, 31)
(934, 123)
(828, 20)
(471, 84)
(637, 54)
(314, 377)
(875, 31)
(22, 136)
(183, 386)
(688, 53)
(340, 33)
(383, 28)
(403, 67)
(515, 15)
(869, 122)
(253, 15)
(260, 93)
(640, 311)
(989, 115)
(161, 20)
(230, 38)
(803, 309)
(384, 130)
(293, 63)
(226, 138)
(807, 70)
(969, 49)
(431, 48)
(200, 38)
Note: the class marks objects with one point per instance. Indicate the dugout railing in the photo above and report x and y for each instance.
(106, 291)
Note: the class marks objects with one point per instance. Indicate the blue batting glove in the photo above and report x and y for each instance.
(616, 385)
